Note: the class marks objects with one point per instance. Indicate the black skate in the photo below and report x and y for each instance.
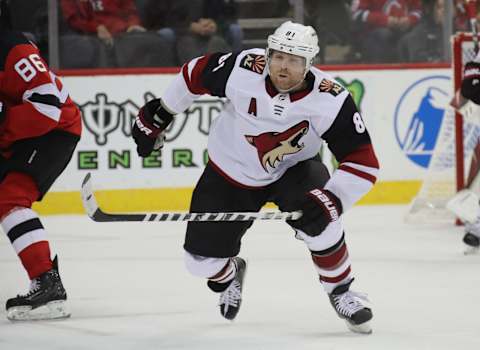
(348, 306)
(473, 243)
(231, 296)
(45, 300)
(471, 240)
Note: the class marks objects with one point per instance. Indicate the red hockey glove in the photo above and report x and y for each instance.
(320, 207)
(471, 82)
(148, 130)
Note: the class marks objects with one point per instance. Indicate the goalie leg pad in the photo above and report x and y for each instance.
(465, 204)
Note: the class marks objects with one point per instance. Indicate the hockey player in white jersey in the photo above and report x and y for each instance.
(263, 147)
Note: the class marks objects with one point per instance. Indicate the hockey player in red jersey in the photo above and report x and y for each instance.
(264, 147)
(39, 129)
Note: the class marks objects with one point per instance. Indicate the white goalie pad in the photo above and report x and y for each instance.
(465, 205)
(470, 111)
(439, 186)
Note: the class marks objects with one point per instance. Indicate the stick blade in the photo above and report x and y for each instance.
(88, 199)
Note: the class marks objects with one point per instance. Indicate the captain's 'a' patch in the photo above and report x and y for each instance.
(331, 87)
(254, 63)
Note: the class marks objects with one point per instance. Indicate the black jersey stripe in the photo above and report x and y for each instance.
(47, 99)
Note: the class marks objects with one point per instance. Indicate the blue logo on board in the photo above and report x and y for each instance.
(419, 115)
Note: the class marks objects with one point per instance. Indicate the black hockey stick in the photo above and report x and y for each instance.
(97, 214)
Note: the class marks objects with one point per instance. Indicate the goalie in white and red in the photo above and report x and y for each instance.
(465, 204)
(471, 90)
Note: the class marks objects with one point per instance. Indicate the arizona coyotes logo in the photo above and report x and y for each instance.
(330, 87)
(254, 63)
(273, 146)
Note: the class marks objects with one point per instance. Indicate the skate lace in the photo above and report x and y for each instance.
(348, 303)
(34, 287)
(231, 295)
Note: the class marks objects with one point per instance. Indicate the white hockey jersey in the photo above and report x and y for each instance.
(261, 133)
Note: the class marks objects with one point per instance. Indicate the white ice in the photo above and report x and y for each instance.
(128, 289)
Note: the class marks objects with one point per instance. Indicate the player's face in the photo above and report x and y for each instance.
(286, 70)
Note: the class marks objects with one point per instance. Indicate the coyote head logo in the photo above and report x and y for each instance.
(273, 146)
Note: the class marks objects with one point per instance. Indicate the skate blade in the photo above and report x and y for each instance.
(51, 311)
(469, 250)
(364, 328)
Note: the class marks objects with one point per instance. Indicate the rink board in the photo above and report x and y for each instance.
(389, 99)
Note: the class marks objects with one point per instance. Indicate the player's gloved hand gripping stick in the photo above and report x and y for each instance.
(320, 207)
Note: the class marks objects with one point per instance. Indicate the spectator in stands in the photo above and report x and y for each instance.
(198, 26)
(115, 23)
(331, 20)
(379, 25)
(424, 43)
(31, 18)
(224, 13)
(164, 17)
(195, 33)
(462, 22)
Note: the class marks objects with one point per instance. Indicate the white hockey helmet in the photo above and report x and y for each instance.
(295, 39)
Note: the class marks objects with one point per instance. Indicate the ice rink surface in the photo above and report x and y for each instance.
(128, 289)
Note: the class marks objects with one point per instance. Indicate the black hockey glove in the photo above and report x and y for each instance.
(148, 130)
(471, 82)
(320, 207)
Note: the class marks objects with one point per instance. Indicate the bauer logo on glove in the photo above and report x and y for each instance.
(330, 207)
(148, 130)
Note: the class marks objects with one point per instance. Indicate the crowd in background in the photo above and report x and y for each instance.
(163, 33)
